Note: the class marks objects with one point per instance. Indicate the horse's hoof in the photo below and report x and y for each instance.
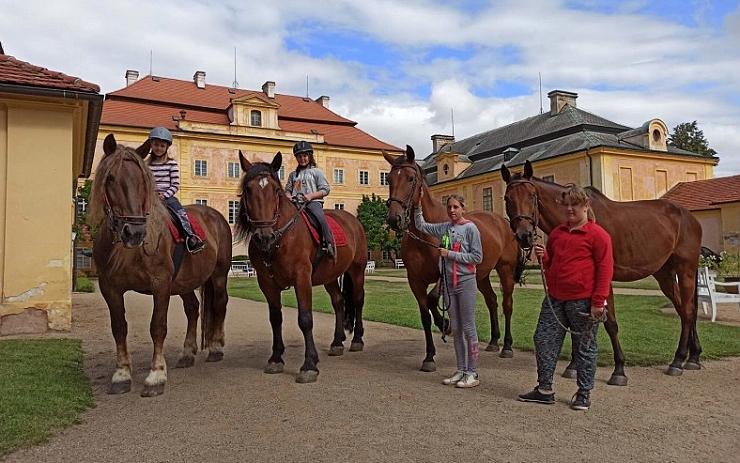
(215, 356)
(429, 366)
(617, 380)
(185, 362)
(273, 368)
(692, 366)
(307, 376)
(674, 371)
(335, 351)
(120, 387)
(153, 391)
(570, 373)
(492, 347)
(356, 347)
(506, 354)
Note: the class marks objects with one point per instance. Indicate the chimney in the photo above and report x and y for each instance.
(131, 76)
(200, 79)
(440, 141)
(560, 98)
(323, 100)
(269, 89)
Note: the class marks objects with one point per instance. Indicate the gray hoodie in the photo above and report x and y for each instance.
(310, 180)
(466, 249)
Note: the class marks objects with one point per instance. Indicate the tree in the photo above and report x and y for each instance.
(371, 213)
(687, 136)
(83, 198)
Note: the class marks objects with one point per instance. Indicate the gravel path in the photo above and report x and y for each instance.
(375, 405)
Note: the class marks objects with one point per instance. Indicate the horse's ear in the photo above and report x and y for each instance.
(143, 150)
(276, 162)
(505, 174)
(410, 155)
(246, 165)
(109, 144)
(528, 171)
(390, 158)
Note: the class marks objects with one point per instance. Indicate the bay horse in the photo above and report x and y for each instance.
(134, 251)
(420, 256)
(653, 237)
(283, 254)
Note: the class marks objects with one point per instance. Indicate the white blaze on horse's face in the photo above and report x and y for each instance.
(263, 182)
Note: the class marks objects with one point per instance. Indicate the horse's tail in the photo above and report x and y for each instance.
(350, 309)
(206, 313)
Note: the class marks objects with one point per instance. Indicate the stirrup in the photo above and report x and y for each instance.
(198, 248)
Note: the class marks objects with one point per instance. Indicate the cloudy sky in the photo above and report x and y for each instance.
(400, 67)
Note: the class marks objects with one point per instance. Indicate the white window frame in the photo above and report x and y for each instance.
(339, 206)
(232, 208)
(233, 168)
(252, 114)
(200, 168)
(339, 176)
(201, 202)
(488, 201)
(384, 178)
(359, 177)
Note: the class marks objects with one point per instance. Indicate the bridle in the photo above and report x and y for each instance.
(534, 219)
(254, 224)
(116, 222)
(405, 203)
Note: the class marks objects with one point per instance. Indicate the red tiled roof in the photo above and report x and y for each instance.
(705, 194)
(17, 72)
(150, 103)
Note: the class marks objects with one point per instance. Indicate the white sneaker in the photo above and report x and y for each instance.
(457, 376)
(469, 380)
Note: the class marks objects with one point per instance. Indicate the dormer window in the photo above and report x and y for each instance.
(255, 118)
(656, 135)
(446, 169)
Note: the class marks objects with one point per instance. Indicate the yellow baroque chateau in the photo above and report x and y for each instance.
(211, 123)
(565, 145)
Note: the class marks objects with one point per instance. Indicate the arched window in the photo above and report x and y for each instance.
(256, 118)
(446, 169)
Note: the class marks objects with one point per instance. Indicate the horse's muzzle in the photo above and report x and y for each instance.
(265, 239)
(397, 222)
(132, 235)
(525, 239)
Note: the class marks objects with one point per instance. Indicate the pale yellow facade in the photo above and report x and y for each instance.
(41, 155)
(730, 213)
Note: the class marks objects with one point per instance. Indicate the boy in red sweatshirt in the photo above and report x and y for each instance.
(578, 266)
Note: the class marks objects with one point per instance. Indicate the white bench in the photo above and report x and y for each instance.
(399, 263)
(241, 268)
(707, 291)
(370, 267)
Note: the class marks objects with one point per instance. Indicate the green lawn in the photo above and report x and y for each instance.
(42, 390)
(648, 336)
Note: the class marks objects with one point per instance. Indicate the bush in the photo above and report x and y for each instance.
(85, 285)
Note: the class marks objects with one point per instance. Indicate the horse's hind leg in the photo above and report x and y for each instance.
(337, 301)
(618, 377)
(666, 277)
(484, 286)
(121, 380)
(218, 299)
(190, 347)
(358, 299)
(157, 378)
(420, 293)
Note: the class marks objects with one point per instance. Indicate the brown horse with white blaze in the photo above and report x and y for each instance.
(283, 254)
(654, 237)
(407, 191)
(134, 251)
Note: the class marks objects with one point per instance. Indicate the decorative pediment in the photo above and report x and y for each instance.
(253, 110)
(254, 100)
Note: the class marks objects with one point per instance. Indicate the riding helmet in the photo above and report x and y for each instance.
(302, 147)
(161, 133)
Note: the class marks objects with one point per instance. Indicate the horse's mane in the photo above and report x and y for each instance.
(258, 169)
(157, 212)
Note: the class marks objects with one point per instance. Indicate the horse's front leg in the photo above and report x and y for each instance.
(309, 371)
(420, 293)
(157, 378)
(275, 363)
(121, 380)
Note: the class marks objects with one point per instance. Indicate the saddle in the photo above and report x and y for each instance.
(177, 234)
(340, 238)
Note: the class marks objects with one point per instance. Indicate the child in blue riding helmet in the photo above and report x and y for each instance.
(308, 184)
(167, 182)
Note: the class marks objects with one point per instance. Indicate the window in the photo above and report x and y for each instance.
(201, 202)
(339, 206)
(83, 261)
(446, 169)
(233, 170)
(488, 199)
(549, 178)
(383, 178)
(201, 168)
(364, 177)
(386, 254)
(233, 211)
(281, 173)
(81, 205)
(255, 118)
(339, 176)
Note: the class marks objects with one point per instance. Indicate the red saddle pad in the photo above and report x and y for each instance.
(197, 229)
(340, 238)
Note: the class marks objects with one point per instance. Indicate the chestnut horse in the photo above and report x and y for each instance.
(283, 254)
(653, 237)
(134, 251)
(421, 258)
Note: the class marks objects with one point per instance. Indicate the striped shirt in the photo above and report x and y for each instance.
(166, 178)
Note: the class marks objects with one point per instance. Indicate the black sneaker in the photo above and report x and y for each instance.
(580, 401)
(537, 397)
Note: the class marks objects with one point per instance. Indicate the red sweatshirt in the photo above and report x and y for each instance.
(579, 264)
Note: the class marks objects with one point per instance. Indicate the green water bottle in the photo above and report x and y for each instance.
(446, 241)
